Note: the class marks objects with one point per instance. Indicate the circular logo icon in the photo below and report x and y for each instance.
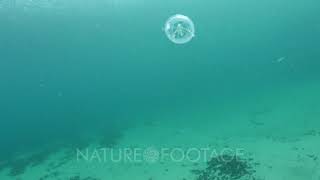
(151, 155)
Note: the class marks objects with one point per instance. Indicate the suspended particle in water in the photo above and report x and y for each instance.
(179, 29)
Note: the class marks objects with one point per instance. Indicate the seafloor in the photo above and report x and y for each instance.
(279, 133)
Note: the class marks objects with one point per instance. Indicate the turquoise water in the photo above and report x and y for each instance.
(71, 71)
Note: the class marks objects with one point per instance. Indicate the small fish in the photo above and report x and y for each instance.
(281, 59)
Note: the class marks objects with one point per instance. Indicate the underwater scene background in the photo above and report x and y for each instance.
(78, 75)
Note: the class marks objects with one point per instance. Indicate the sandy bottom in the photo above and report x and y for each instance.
(279, 132)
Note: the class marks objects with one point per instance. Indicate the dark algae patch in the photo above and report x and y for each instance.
(18, 165)
(85, 178)
(227, 167)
